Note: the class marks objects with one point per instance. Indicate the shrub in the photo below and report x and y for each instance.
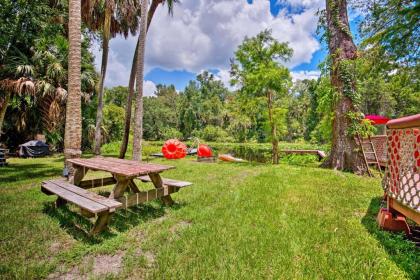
(213, 133)
(113, 121)
(170, 133)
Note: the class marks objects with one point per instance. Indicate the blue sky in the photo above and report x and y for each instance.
(203, 34)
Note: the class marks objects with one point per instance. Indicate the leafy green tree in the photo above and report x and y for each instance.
(113, 121)
(393, 25)
(387, 87)
(116, 95)
(298, 109)
(202, 104)
(258, 72)
(160, 114)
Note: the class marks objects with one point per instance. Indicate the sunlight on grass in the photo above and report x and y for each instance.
(241, 221)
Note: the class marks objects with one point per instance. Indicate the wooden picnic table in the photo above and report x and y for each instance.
(123, 172)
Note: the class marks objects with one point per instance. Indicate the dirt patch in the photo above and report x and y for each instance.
(148, 255)
(180, 226)
(160, 219)
(107, 264)
(93, 266)
(59, 246)
(70, 275)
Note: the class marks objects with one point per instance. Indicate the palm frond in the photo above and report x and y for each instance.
(25, 70)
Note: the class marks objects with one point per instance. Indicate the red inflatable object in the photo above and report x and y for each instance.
(375, 119)
(204, 151)
(174, 149)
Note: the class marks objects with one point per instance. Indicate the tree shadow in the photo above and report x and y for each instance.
(122, 220)
(401, 251)
(14, 173)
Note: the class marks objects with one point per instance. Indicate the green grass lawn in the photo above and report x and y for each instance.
(238, 221)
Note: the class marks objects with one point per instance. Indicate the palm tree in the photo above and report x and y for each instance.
(128, 109)
(9, 87)
(112, 17)
(73, 128)
(138, 115)
(43, 76)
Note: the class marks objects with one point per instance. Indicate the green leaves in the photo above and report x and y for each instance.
(257, 66)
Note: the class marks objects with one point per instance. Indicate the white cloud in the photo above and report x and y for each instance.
(302, 75)
(118, 72)
(207, 36)
(149, 88)
(203, 34)
(303, 3)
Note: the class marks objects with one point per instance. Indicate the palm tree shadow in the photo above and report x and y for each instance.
(400, 250)
(122, 220)
(15, 173)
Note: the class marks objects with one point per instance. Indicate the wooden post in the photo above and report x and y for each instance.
(157, 182)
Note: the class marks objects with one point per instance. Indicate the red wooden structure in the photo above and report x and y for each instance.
(401, 182)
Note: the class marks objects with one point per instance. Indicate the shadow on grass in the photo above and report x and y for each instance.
(16, 172)
(122, 220)
(401, 251)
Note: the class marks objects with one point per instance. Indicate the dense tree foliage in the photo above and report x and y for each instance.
(33, 70)
(33, 83)
(260, 75)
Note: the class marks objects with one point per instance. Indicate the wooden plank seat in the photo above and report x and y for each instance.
(168, 182)
(86, 200)
(90, 203)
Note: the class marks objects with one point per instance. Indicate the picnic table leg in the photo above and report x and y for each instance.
(133, 187)
(78, 175)
(157, 182)
(75, 178)
(101, 222)
(122, 183)
(104, 218)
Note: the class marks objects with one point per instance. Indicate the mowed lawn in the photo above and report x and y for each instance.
(238, 221)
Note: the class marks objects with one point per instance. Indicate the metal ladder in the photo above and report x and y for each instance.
(371, 152)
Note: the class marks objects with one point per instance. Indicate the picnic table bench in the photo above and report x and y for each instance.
(75, 190)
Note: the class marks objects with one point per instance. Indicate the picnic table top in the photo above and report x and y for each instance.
(124, 167)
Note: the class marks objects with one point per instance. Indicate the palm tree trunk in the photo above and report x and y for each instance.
(342, 49)
(73, 129)
(3, 108)
(104, 64)
(138, 128)
(128, 108)
(274, 140)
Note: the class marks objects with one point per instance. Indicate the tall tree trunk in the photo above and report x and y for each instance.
(104, 64)
(128, 108)
(73, 129)
(138, 127)
(274, 140)
(4, 102)
(344, 155)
